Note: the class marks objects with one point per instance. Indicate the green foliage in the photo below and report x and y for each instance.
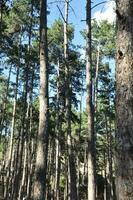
(104, 33)
(18, 16)
(1, 148)
(55, 32)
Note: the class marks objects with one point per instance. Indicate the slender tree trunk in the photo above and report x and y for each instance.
(30, 140)
(23, 136)
(57, 156)
(30, 169)
(109, 162)
(16, 166)
(27, 123)
(105, 176)
(95, 100)
(111, 142)
(52, 163)
(85, 161)
(11, 142)
(12, 134)
(42, 141)
(30, 143)
(89, 106)
(79, 139)
(22, 184)
(124, 100)
(96, 79)
(4, 104)
(78, 150)
(72, 189)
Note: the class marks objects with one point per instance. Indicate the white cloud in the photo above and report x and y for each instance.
(106, 13)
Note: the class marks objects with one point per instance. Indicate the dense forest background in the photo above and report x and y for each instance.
(57, 103)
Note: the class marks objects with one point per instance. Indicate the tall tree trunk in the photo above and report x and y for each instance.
(57, 156)
(27, 123)
(124, 100)
(12, 134)
(78, 149)
(16, 167)
(21, 186)
(11, 142)
(90, 110)
(42, 141)
(109, 160)
(96, 80)
(4, 104)
(72, 189)
(30, 143)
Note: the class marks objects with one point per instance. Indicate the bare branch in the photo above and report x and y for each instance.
(98, 4)
(73, 10)
(103, 2)
(56, 1)
(61, 14)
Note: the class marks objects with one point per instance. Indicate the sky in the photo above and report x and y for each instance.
(77, 14)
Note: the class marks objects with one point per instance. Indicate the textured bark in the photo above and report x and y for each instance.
(124, 100)
(42, 141)
(89, 107)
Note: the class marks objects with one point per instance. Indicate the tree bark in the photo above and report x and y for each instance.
(124, 100)
(90, 110)
(42, 140)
